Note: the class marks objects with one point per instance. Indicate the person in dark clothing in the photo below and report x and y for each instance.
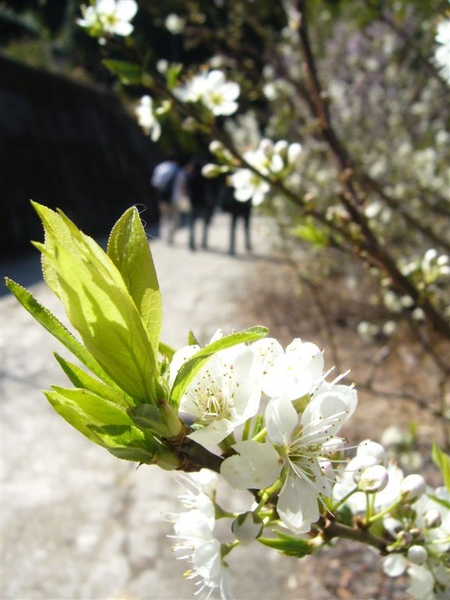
(199, 190)
(238, 210)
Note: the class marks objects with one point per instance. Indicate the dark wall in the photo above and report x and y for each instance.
(69, 146)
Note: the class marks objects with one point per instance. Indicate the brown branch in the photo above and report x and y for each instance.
(330, 529)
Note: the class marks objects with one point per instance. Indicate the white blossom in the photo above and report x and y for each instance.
(442, 54)
(194, 532)
(213, 90)
(109, 17)
(412, 487)
(174, 23)
(146, 118)
(249, 186)
(224, 394)
(303, 441)
(293, 372)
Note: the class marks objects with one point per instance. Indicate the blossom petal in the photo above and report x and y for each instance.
(256, 466)
(298, 505)
(280, 419)
(126, 9)
(213, 433)
(394, 565)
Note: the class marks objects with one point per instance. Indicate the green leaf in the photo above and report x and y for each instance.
(173, 75)
(345, 515)
(99, 410)
(104, 423)
(166, 350)
(126, 72)
(312, 234)
(83, 380)
(99, 305)
(192, 340)
(162, 420)
(442, 461)
(82, 409)
(288, 545)
(441, 501)
(129, 250)
(48, 320)
(127, 443)
(192, 366)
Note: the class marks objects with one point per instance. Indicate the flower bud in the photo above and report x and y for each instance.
(412, 487)
(247, 527)
(358, 464)
(392, 526)
(294, 153)
(216, 147)
(433, 518)
(266, 146)
(373, 479)
(210, 171)
(417, 555)
(370, 448)
(281, 147)
(404, 537)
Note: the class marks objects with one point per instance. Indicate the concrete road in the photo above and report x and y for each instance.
(79, 524)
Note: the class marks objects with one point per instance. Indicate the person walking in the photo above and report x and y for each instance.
(201, 200)
(169, 180)
(238, 211)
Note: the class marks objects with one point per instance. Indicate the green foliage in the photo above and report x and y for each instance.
(98, 302)
(311, 233)
(121, 398)
(442, 461)
(48, 320)
(129, 250)
(104, 423)
(288, 545)
(126, 72)
(113, 300)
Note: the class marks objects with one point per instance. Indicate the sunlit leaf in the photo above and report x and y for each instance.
(311, 233)
(129, 250)
(48, 320)
(83, 380)
(99, 305)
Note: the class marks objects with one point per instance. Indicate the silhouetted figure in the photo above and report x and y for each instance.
(169, 180)
(201, 199)
(238, 211)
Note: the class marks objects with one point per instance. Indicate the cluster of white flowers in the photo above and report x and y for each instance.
(108, 17)
(277, 420)
(415, 518)
(302, 417)
(429, 268)
(211, 89)
(194, 532)
(270, 159)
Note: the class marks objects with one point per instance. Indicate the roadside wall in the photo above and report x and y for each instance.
(69, 146)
